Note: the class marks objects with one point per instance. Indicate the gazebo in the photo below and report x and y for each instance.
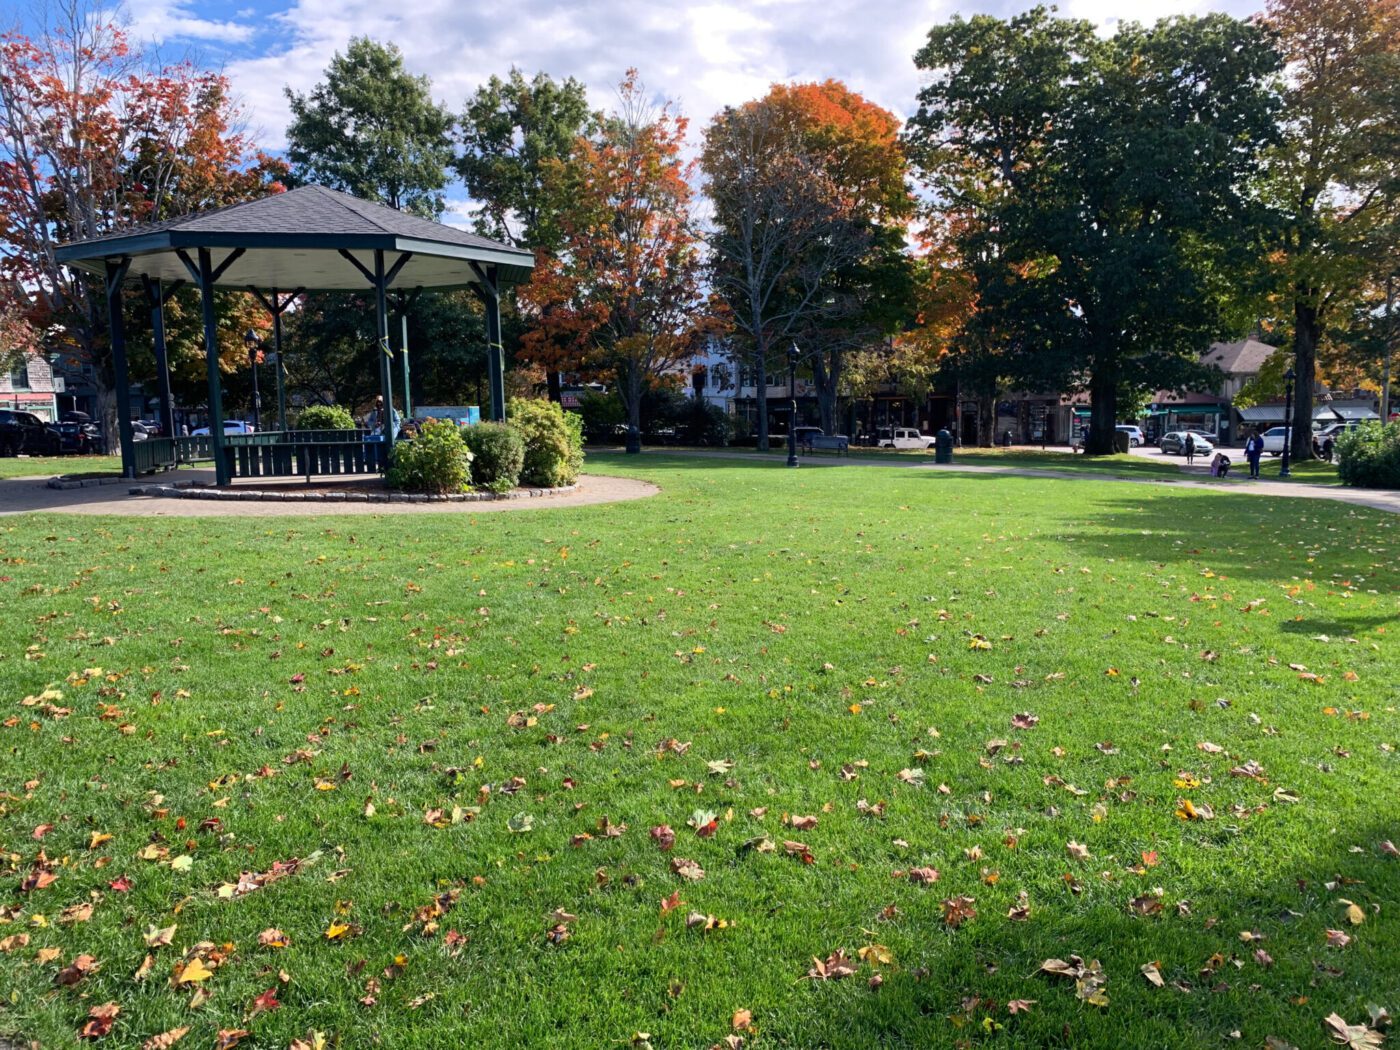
(307, 239)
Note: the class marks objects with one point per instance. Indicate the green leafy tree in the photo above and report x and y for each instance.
(518, 138)
(515, 133)
(1112, 231)
(372, 129)
(1335, 175)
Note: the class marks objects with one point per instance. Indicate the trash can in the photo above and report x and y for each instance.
(1121, 442)
(943, 447)
(1006, 439)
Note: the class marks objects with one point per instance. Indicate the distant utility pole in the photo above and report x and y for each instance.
(1389, 346)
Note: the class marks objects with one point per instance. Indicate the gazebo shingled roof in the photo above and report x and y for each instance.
(307, 239)
(294, 240)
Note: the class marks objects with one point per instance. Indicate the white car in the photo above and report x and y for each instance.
(1135, 438)
(231, 426)
(904, 437)
(1274, 440)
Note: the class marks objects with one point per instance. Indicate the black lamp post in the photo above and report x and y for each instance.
(792, 405)
(252, 342)
(1288, 378)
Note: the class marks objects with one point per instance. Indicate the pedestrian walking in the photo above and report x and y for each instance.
(1190, 448)
(1253, 450)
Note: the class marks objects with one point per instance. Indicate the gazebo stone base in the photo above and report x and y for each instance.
(187, 491)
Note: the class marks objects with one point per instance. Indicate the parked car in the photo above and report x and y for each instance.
(903, 437)
(1135, 438)
(24, 432)
(231, 426)
(1274, 440)
(153, 427)
(1336, 430)
(1174, 444)
(78, 438)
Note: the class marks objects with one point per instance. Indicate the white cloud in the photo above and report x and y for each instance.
(163, 21)
(704, 54)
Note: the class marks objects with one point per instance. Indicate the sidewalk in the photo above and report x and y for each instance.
(1376, 499)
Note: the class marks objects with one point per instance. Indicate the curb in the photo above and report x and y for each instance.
(187, 490)
(62, 481)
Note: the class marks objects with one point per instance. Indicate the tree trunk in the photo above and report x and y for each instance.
(632, 388)
(1103, 413)
(986, 420)
(761, 392)
(556, 385)
(1307, 327)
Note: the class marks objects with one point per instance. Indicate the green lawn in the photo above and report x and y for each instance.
(47, 466)
(449, 720)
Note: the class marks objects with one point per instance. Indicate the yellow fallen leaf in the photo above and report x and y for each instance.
(337, 930)
(193, 972)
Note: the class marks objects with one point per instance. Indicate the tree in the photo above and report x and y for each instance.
(92, 141)
(1115, 229)
(623, 297)
(515, 132)
(373, 130)
(809, 198)
(518, 135)
(1335, 175)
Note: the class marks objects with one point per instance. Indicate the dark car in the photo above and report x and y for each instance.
(24, 432)
(79, 438)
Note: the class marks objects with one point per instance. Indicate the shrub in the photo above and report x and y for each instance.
(325, 417)
(498, 454)
(553, 442)
(1369, 456)
(436, 461)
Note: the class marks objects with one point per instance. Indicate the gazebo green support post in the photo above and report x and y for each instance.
(205, 274)
(276, 306)
(386, 379)
(156, 297)
(489, 291)
(116, 274)
(407, 377)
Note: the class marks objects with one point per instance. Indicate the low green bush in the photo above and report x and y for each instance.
(1369, 456)
(553, 442)
(325, 417)
(436, 462)
(498, 455)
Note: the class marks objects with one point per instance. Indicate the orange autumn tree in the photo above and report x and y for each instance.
(92, 140)
(808, 235)
(623, 298)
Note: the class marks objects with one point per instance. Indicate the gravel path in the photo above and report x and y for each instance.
(33, 496)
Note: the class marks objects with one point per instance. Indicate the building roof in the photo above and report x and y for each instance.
(1243, 358)
(295, 240)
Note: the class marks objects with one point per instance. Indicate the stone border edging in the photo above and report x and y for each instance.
(188, 490)
(63, 481)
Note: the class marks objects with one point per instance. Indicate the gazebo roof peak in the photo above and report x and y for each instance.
(298, 239)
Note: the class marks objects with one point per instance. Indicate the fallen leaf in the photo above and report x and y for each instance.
(99, 1021)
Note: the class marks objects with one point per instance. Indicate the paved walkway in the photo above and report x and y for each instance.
(1377, 499)
(33, 496)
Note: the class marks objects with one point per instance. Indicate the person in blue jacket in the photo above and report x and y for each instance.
(1253, 449)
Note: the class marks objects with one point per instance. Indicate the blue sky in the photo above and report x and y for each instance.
(704, 54)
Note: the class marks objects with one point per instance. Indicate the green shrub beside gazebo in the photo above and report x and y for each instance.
(308, 239)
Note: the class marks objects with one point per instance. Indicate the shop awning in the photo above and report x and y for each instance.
(1194, 410)
(1358, 412)
(1262, 414)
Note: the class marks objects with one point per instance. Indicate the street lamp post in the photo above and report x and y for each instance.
(1288, 378)
(251, 341)
(792, 405)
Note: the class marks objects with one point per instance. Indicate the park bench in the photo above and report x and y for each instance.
(835, 443)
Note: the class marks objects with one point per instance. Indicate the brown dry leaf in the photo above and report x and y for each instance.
(273, 938)
(14, 941)
(165, 1040)
(687, 869)
(230, 1037)
(741, 1020)
(1352, 1036)
(1153, 974)
(958, 910)
(803, 823)
(1020, 1006)
(925, 876)
(835, 966)
(75, 971)
(99, 1021)
(1337, 939)
(159, 938)
(1077, 850)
